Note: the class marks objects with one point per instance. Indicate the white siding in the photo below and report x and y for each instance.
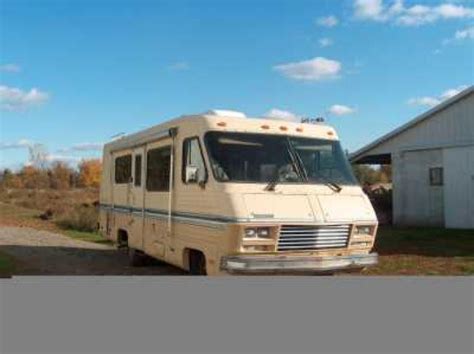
(416, 202)
(459, 187)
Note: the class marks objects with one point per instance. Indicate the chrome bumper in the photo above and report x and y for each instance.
(308, 264)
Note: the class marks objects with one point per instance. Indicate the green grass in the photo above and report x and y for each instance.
(86, 236)
(7, 265)
(425, 241)
(424, 251)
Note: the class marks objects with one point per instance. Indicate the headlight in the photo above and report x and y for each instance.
(363, 230)
(257, 232)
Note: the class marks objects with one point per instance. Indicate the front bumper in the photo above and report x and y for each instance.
(307, 264)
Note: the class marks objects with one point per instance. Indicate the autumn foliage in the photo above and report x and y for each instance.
(89, 173)
(58, 176)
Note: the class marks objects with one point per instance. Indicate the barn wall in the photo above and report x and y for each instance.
(459, 187)
(415, 201)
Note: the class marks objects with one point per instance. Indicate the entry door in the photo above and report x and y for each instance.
(136, 188)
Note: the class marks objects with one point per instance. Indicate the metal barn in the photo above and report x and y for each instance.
(432, 159)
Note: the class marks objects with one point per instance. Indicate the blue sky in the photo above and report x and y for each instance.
(75, 73)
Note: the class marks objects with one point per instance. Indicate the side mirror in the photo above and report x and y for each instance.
(191, 174)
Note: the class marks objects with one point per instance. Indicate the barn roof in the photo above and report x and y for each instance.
(360, 156)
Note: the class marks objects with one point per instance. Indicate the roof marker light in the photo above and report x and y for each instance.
(265, 126)
(283, 128)
(330, 133)
(222, 124)
(299, 130)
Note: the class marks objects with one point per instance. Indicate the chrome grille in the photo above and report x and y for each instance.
(312, 237)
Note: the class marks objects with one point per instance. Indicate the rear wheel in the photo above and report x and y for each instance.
(136, 258)
(197, 263)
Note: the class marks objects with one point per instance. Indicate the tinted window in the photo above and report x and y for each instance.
(158, 169)
(138, 170)
(246, 157)
(123, 169)
(192, 157)
(323, 160)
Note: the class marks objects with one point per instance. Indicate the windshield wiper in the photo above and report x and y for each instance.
(294, 164)
(270, 187)
(333, 185)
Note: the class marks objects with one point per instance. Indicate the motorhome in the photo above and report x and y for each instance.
(222, 193)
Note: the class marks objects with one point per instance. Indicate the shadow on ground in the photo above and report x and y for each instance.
(50, 260)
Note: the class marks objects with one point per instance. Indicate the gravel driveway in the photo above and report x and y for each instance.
(48, 253)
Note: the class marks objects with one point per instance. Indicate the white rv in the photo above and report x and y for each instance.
(220, 193)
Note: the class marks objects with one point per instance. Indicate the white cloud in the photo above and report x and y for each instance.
(467, 33)
(430, 101)
(452, 92)
(368, 9)
(20, 144)
(179, 66)
(460, 35)
(328, 21)
(10, 68)
(341, 110)
(279, 114)
(12, 98)
(415, 15)
(325, 42)
(315, 69)
(84, 147)
(52, 158)
(424, 101)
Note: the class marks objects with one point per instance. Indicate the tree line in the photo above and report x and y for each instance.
(61, 176)
(57, 176)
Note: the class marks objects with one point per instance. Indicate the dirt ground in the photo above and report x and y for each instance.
(39, 252)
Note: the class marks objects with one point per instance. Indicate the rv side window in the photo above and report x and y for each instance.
(123, 169)
(158, 169)
(138, 170)
(194, 167)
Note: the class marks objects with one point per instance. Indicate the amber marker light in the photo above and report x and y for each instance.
(222, 124)
(299, 130)
(330, 133)
(283, 128)
(265, 126)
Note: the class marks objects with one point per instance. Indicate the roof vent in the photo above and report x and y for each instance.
(225, 113)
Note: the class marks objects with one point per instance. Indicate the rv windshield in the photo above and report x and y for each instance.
(262, 158)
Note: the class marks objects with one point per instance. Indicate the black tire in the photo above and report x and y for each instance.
(197, 263)
(136, 258)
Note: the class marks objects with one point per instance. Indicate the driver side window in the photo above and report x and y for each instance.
(194, 167)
